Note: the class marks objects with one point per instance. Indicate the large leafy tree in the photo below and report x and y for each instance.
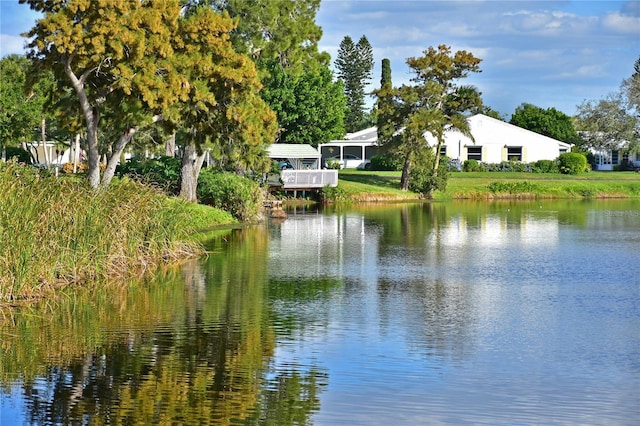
(281, 37)
(355, 63)
(613, 123)
(21, 104)
(549, 122)
(117, 58)
(310, 108)
(132, 63)
(434, 104)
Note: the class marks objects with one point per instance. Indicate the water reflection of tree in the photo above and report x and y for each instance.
(192, 349)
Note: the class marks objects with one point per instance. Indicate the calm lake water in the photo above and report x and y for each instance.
(409, 314)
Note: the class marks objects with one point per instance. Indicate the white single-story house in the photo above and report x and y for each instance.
(494, 141)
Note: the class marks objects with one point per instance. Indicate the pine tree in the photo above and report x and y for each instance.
(355, 65)
(386, 72)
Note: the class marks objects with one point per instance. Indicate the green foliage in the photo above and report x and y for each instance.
(572, 163)
(334, 194)
(549, 122)
(162, 172)
(280, 30)
(385, 77)
(471, 166)
(310, 107)
(354, 63)
(607, 124)
(333, 163)
(386, 162)
(21, 100)
(423, 179)
(281, 37)
(506, 166)
(203, 217)
(241, 197)
(58, 230)
(490, 112)
(510, 187)
(546, 166)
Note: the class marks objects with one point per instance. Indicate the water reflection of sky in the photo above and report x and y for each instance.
(520, 319)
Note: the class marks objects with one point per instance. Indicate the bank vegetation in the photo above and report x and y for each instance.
(57, 232)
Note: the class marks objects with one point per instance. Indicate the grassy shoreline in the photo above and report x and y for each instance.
(362, 186)
(57, 232)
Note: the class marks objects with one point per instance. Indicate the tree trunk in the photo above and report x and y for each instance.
(170, 146)
(114, 158)
(404, 179)
(91, 118)
(191, 165)
(92, 151)
(436, 165)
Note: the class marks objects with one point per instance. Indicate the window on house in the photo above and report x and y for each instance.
(625, 157)
(615, 157)
(443, 150)
(474, 153)
(514, 153)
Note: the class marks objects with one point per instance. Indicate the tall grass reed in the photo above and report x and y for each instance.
(58, 231)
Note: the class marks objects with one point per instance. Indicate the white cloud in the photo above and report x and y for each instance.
(623, 24)
(11, 44)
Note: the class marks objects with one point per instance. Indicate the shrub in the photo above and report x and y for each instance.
(545, 166)
(333, 194)
(386, 162)
(471, 166)
(421, 177)
(572, 163)
(162, 172)
(235, 194)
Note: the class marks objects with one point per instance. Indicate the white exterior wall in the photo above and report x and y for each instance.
(494, 136)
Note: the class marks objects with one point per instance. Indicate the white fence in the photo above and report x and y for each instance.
(304, 179)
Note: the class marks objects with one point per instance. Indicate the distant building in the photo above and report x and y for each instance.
(493, 141)
(496, 141)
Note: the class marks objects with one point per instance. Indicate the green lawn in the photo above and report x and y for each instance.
(360, 185)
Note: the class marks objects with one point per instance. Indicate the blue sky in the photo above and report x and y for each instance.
(548, 53)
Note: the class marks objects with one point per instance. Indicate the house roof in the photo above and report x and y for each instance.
(365, 135)
(478, 121)
(292, 150)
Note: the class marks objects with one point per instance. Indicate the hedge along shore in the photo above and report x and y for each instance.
(58, 232)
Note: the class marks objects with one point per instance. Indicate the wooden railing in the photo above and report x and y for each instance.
(304, 179)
